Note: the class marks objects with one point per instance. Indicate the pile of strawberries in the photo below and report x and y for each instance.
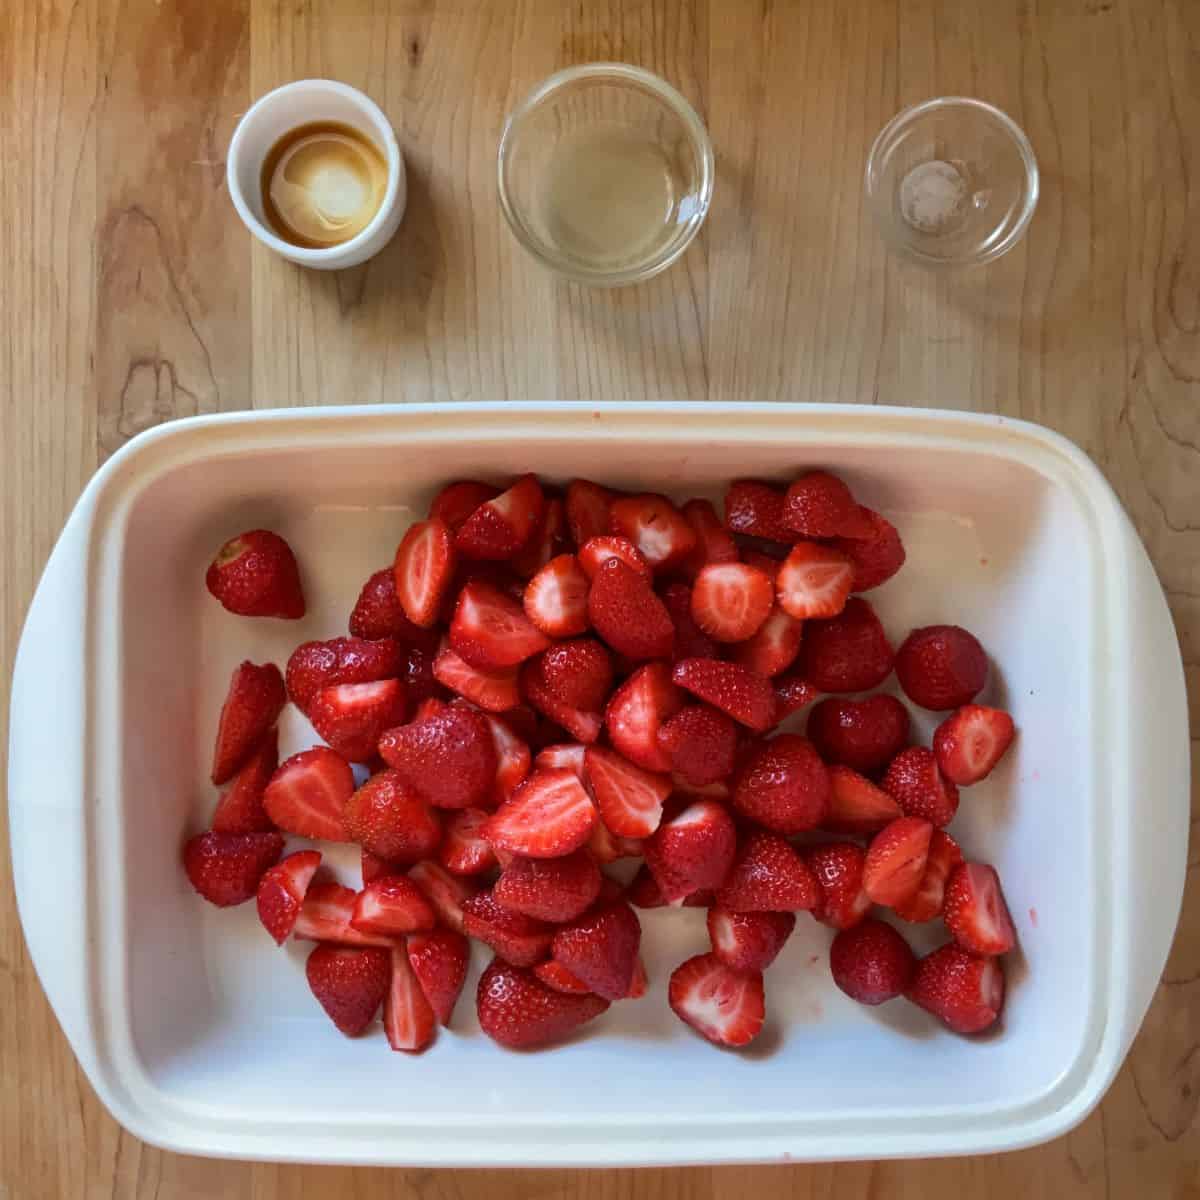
(545, 683)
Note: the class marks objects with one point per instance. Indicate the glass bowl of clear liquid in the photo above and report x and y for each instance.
(952, 181)
(606, 173)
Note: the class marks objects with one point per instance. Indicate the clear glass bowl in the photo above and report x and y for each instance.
(606, 173)
(952, 181)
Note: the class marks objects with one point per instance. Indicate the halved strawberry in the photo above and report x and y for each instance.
(549, 537)
(848, 653)
(408, 1018)
(490, 630)
(554, 975)
(567, 755)
(714, 543)
(969, 743)
(748, 941)
(896, 861)
(587, 507)
(448, 758)
(423, 569)
(281, 892)
(783, 784)
(814, 581)
(512, 759)
(595, 552)
(768, 875)
(498, 528)
(856, 805)
(792, 693)
(439, 960)
(774, 647)
(457, 501)
(392, 906)
(464, 850)
(756, 509)
(690, 640)
(700, 742)
(838, 870)
(630, 799)
(743, 694)
(600, 949)
(871, 963)
(721, 1004)
(517, 1010)
(692, 851)
(325, 916)
(350, 984)
(518, 939)
(373, 867)
(447, 893)
(875, 550)
(351, 717)
(643, 892)
(378, 612)
(493, 691)
(963, 990)
(225, 868)
(606, 847)
(252, 705)
(975, 912)
(944, 856)
(637, 710)
(915, 783)
(864, 734)
(655, 526)
(730, 601)
(255, 575)
(307, 795)
(240, 808)
(549, 815)
(627, 614)
(569, 684)
(389, 818)
(550, 889)
(941, 667)
(556, 598)
(820, 505)
(314, 666)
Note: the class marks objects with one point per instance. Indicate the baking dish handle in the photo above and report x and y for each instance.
(1152, 831)
(46, 797)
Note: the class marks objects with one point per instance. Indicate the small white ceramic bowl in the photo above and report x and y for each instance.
(300, 103)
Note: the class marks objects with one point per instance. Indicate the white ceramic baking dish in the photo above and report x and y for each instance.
(199, 1035)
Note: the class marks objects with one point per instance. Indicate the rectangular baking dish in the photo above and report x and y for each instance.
(200, 1036)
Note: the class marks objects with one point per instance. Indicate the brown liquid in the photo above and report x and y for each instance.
(322, 184)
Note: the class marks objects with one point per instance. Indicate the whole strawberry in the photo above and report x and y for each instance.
(519, 1011)
(350, 983)
(871, 962)
(255, 575)
(847, 653)
(941, 667)
(784, 785)
(863, 734)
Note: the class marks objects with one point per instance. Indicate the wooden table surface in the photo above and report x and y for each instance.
(130, 294)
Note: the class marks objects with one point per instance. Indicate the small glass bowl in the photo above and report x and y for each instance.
(606, 173)
(952, 182)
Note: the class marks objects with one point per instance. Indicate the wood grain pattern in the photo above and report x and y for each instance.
(131, 295)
